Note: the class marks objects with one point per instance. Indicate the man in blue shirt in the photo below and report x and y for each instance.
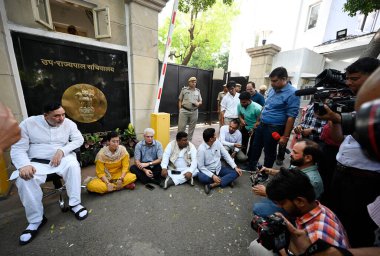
(278, 115)
(255, 96)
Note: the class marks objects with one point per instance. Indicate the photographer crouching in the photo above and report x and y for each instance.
(356, 180)
(292, 190)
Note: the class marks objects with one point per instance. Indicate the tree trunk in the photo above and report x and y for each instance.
(373, 48)
(188, 55)
(193, 18)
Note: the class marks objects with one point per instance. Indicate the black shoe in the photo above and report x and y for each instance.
(207, 189)
(33, 233)
(232, 184)
(279, 162)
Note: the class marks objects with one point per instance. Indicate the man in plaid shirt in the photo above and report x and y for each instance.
(311, 126)
(292, 191)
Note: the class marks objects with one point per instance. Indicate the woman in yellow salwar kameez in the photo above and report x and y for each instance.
(112, 168)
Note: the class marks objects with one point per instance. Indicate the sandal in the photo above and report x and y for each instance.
(33, 233)
(78, 212)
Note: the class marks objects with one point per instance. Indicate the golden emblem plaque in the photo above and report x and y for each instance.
(84, 103)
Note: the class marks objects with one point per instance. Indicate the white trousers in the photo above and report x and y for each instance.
(180, 178)
(30, 191)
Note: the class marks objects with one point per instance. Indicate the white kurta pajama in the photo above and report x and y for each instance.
(40, 140)
(180, 164)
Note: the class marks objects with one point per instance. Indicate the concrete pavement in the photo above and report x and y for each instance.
(182, 220)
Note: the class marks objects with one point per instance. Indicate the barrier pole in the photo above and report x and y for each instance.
(166, 56)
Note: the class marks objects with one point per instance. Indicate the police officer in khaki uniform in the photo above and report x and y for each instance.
(189, 101)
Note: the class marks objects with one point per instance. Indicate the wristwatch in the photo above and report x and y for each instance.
(150, 163)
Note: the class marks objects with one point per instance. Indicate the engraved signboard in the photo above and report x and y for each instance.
(90, 82)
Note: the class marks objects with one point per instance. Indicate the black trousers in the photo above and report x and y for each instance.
(352, 190)
(326, 168)
(141, 176)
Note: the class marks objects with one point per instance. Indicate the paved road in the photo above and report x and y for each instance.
(182, 220)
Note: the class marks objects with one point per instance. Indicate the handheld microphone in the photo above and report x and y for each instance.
(276, 136)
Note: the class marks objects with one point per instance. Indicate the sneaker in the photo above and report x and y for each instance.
(168, 182)
(191, 181)
(207, 189)
(279, 162)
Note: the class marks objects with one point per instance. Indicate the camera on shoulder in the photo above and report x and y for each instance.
(330, 88)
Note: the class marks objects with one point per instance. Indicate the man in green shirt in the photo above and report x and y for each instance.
(248, 112)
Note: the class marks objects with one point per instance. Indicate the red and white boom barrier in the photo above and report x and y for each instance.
(166, 56)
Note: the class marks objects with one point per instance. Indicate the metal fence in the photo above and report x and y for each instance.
(177, 76)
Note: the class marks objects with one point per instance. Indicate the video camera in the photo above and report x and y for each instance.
(273, 232)
(330, 88)
(258, 177)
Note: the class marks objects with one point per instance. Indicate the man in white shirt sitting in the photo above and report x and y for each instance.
(46, 146)
(231, 138)
(211, 172)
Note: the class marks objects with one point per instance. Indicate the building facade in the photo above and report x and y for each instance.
(99, 57)
(311, 34)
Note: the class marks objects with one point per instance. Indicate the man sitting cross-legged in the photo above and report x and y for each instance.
(211, 172)
(304, 156)
(231, 138)
(179, 162)
(46, 146)
(148, 155)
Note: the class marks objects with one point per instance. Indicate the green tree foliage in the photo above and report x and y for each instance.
(201, 35)
(365, 7)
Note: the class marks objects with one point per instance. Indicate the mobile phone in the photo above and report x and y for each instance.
(176, 172)
(150, 187)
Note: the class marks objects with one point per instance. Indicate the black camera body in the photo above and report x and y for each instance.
(330, 89)
(273, 232)
(344, 103)
(258, 177)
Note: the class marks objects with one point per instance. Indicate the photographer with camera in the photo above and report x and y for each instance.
(292, 191)
(356, 179)
(305, 155)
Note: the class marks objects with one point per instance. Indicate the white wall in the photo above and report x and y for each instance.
(298, 62)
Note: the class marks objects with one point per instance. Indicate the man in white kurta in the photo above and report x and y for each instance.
(46, 138)
(179, 162)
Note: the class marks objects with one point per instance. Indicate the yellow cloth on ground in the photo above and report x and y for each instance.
(112, 166)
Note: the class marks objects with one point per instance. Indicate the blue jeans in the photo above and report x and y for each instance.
(263, 139)
(266, 207)
(226, 174)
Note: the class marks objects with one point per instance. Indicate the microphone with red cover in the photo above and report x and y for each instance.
(276, 136)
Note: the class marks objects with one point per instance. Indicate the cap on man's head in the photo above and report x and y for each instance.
(192, 79)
